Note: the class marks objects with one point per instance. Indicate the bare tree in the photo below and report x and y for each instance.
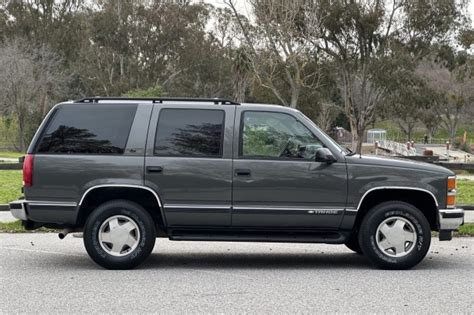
(29, 78)
(453, 91)
(281, 51)
(328, 112)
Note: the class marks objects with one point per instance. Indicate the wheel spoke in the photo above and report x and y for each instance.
(131, 241)
(409, 236)
(385, 244)
(113, 224)
(399, 226)
(128, 226)
(385, 229)
(117, 247)
(106, 237)
(399, 247)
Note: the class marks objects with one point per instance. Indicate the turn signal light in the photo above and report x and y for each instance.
(451, 201)
(451, 183)
(451, 197)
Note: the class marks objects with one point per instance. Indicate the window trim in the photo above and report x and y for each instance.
(221, 149)
(268, 158)
(53, 115)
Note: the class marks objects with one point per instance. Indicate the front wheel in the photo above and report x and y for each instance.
(395, 235)
(119, 234)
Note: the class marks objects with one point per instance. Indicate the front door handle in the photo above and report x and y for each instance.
(242, 172)
(154, 169)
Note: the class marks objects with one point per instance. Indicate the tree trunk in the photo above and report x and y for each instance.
(21, 132)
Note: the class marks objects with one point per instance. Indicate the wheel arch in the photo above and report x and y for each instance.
(145, 196)
(422, 199)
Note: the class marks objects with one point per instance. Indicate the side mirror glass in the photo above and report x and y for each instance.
(324, 155)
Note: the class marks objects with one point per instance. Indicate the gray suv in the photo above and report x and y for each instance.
(125, 171)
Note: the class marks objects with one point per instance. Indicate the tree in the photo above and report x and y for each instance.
(30, 77)
(280, 52)
(452, 88)
(364, 40)
(241, 68)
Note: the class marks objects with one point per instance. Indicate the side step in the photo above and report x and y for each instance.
(259, 236)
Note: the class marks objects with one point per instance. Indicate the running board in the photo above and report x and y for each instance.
(289, 237)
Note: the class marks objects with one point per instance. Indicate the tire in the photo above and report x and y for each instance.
(133, 239)
(353, 244)
(395, 235)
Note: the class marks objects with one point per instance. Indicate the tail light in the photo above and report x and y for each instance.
(451, 197)
(28, 170)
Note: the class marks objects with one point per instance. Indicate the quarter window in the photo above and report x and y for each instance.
(88, 129)
(276, 135)
(190, 132)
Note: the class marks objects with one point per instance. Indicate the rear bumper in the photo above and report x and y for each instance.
(17, 209)
(44, 211)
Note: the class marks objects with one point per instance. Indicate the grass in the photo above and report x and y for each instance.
(10, 154)
(10, 185)
(466, 230)
(465, 190)
(16, 227)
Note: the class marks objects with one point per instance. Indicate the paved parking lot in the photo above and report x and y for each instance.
(41, 274)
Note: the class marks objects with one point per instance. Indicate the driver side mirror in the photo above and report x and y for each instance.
(324, 155)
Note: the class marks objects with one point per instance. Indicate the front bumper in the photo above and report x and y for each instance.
(450, 219)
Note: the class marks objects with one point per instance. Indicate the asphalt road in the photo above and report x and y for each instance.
(41, 274)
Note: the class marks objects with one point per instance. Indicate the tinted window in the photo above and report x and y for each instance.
(276, 135)
(190, 132)
(89, 129)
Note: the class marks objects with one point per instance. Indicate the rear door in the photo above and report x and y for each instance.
(189, 163)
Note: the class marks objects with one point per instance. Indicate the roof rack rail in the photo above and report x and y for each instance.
(160, 100)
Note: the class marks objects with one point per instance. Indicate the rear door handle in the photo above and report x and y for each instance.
(154, 169)
(242, 172)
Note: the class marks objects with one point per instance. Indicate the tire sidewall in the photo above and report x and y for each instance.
(368, 231)
(134, 212)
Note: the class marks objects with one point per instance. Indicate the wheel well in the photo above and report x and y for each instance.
(98, 196)
(420, 199)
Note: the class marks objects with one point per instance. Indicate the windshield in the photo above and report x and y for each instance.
(341, 148)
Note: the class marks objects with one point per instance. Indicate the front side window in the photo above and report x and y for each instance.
(190, 132)
(276, 135)
(88, 129)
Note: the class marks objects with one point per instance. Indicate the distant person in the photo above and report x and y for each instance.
(425, 139)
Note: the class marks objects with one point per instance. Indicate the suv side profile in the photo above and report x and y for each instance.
(127, 170)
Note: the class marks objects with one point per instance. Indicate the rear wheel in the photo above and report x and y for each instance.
(395, 235)
(119, 234)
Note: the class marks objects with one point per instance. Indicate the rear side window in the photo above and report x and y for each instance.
(190, 132)
(88, 129)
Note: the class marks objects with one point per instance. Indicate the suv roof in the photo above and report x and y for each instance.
(216, 101)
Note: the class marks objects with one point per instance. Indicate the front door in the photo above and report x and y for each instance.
(277, 182)
(190, 165)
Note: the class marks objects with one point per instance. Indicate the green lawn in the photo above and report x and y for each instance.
(11, 155)
(10, 185)
(465, 192)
